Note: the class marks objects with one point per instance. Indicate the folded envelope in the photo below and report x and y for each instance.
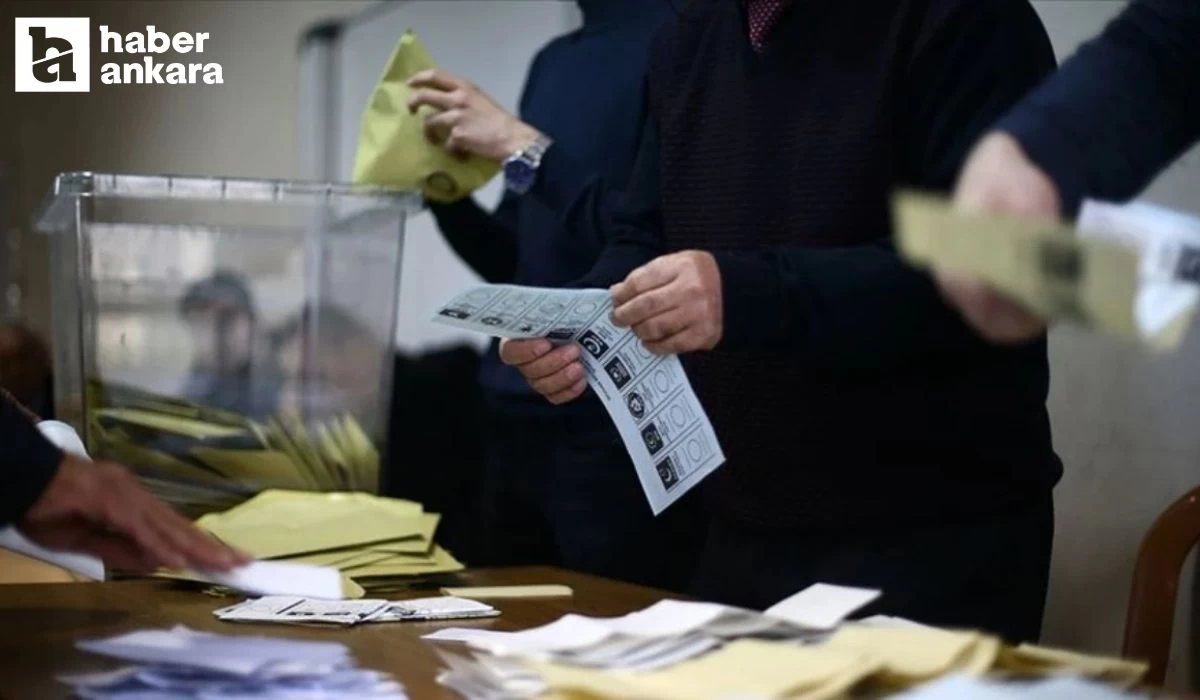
(393, 149)
(1031, 660)
(910, 655)
(1045, 266)
(285, 523)
(745, 668)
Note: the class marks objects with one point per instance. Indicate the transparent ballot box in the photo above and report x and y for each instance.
(221, 336)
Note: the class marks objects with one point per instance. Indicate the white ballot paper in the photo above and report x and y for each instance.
(305, 611)
(1168, 242)
(659, 417)
(280, 578)
(182, 663)
(667, 632)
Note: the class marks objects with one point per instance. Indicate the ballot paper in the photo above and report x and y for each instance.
(1169, 262)
(660, 419)
(279, 578)
(665, 633)
(298, 610)
(1125, 270)
(182, 663)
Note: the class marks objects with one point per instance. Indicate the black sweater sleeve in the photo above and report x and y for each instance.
(862, 307)
(485, 241)
(635, 227)
(27, 462)
(1121, 109)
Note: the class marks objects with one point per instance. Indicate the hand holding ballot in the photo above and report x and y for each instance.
(468, 121)
(999, 178)
(672, 303)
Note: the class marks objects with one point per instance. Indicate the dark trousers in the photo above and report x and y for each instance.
(989, 573)
(561, 490)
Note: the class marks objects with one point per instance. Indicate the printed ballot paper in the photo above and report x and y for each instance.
(1128, 270)
(303, 611)
(659, 417)
(182, 663)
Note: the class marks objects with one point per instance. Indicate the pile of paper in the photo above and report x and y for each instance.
(664, 634)
(1125, 270)
(181, 663)
(375, 542)
(295, 610)
(202, 459)
(677, 649)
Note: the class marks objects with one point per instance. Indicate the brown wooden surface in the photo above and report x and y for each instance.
(39, 625)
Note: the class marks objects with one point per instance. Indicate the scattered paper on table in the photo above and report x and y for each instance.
(660, 419)
(305, 611)
(277, 578)
(822, 606)
(182, 663)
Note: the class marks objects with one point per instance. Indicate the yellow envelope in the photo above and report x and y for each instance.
(392, 147)
(421, 543)
(188, 427)
(265, 468)
(1029, 659)
(910, 655)
(289, 523)
(744, 668)
(439, 562)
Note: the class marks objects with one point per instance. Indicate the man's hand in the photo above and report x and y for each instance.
(468, 121)
(553, 372)
(673, 303)
(100, 509)
(999, 178)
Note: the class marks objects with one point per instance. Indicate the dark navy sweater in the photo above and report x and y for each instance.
(586, 90)
(1122, 108)
(845, 393)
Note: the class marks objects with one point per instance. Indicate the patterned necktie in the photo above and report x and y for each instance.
(761, 16)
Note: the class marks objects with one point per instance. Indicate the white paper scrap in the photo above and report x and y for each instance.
(271, 578)
(821, 606)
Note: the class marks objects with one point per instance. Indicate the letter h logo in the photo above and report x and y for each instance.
(53, 54)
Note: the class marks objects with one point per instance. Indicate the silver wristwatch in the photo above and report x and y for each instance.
(521, 168)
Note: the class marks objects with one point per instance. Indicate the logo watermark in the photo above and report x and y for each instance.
(53, 54)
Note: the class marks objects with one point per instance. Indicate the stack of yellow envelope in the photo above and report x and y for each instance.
(203, 460)
(745, 668)
(870, 660)
(374, 541)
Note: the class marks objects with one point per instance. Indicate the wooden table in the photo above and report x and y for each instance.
(39, 625)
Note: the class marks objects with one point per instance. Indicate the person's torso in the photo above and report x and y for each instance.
(801, 146)
(588, 94)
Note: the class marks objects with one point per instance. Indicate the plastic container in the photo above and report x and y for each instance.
(221, 336)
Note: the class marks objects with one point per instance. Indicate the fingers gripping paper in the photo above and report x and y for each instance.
(659, 417)
(392, 147)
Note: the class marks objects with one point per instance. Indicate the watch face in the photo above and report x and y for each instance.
(519, 174)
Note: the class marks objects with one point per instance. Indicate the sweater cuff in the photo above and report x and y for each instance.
(29, 463)
(1051, 150)
(751, 301)
(560, 179)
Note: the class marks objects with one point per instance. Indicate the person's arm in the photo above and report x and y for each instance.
(634, 228)
(862, 307)
(485, 241)
(1121, 109)
(28, 462)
